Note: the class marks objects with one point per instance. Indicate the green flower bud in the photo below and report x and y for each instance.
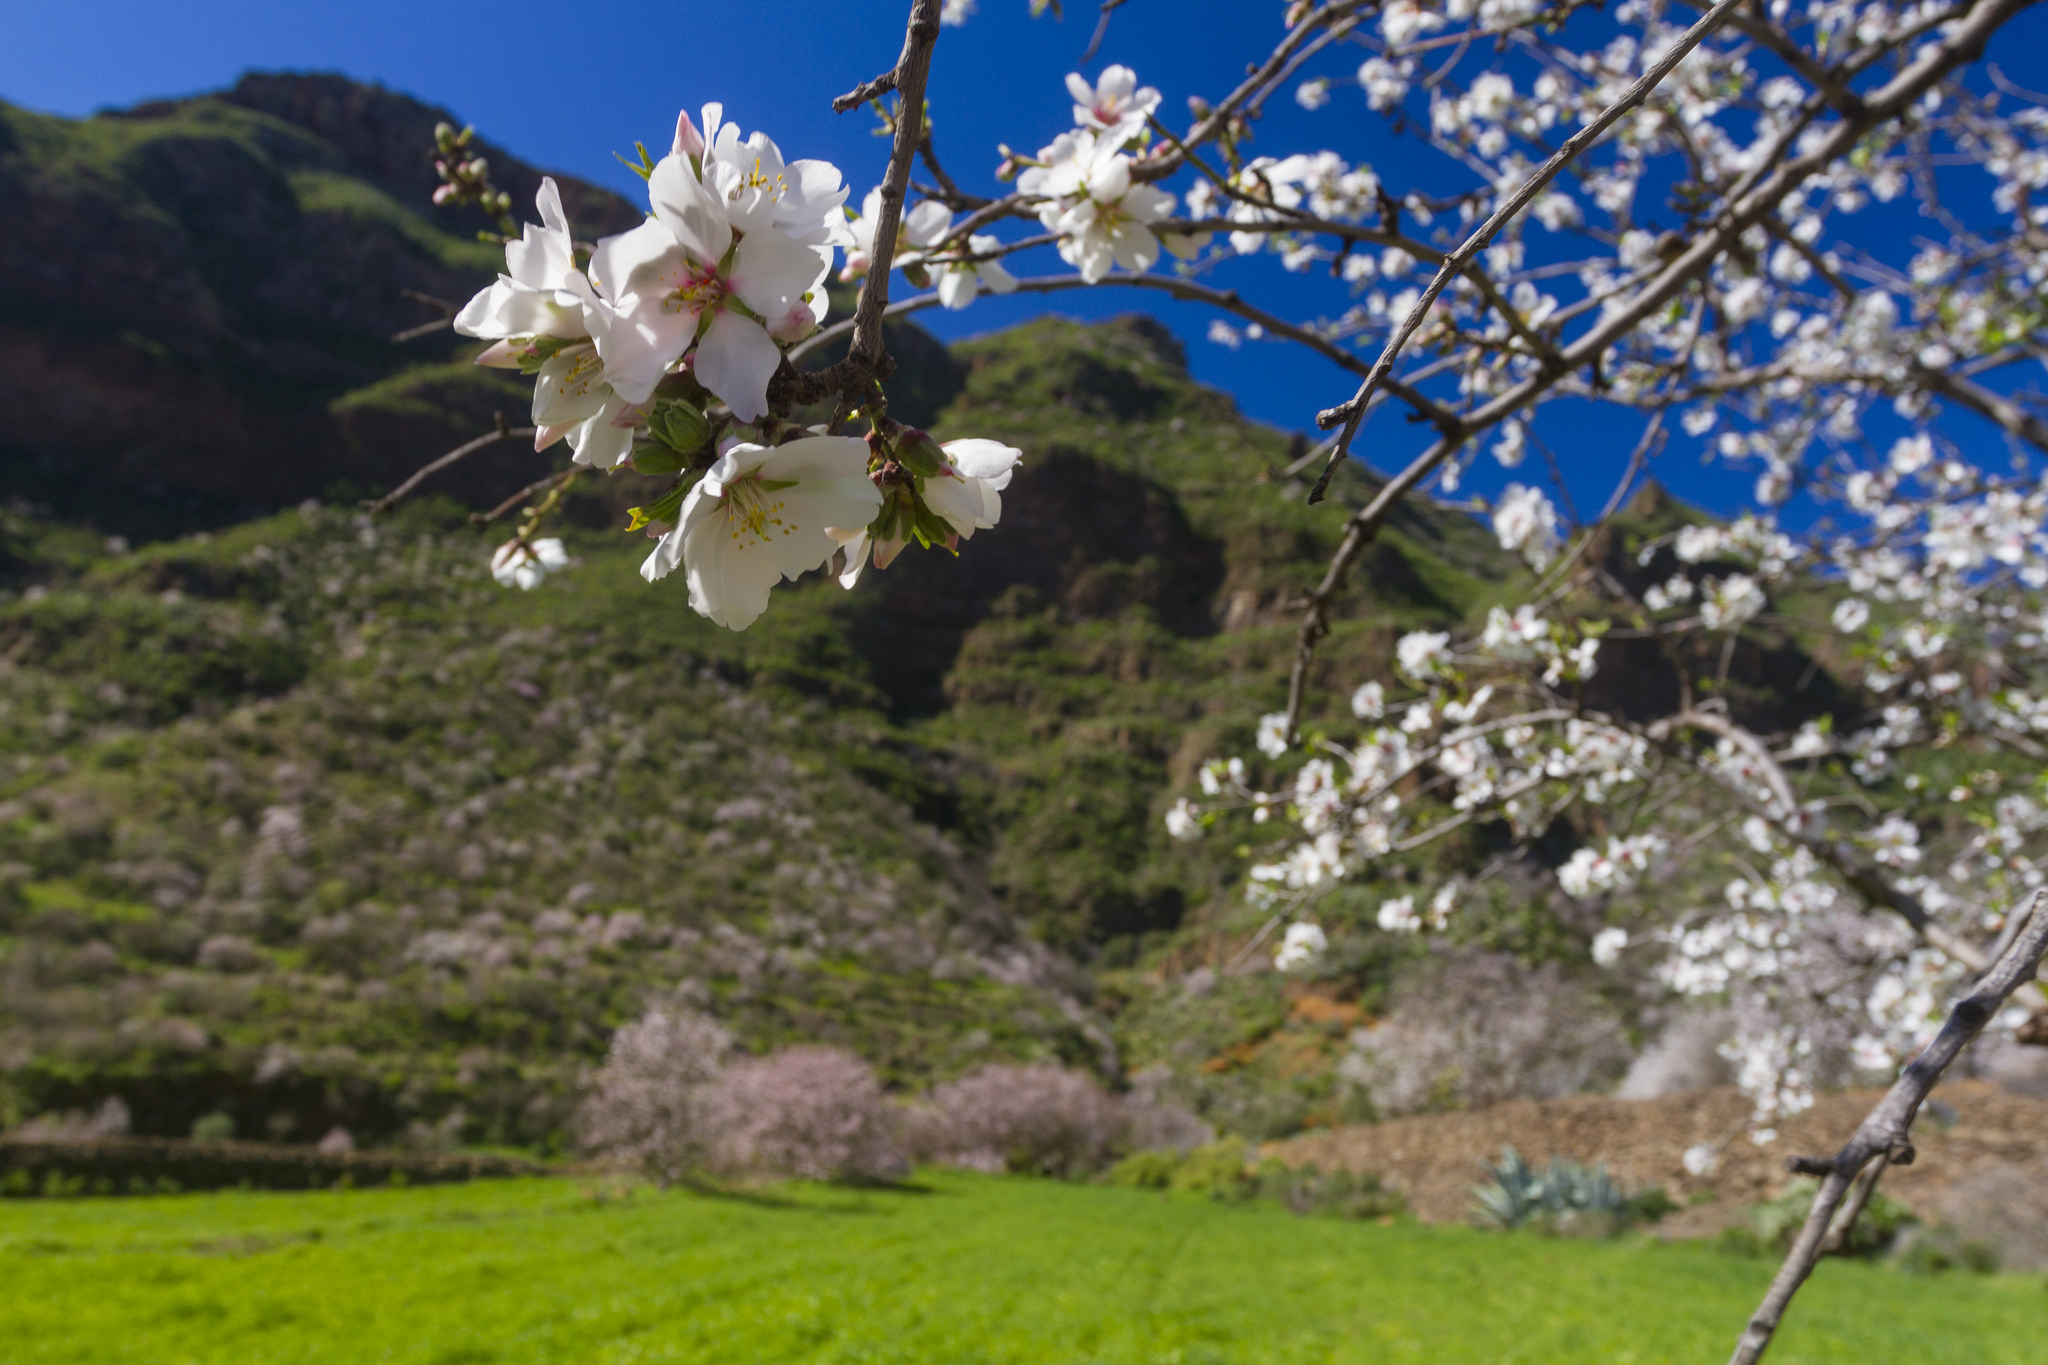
(656, 459)
(920, 454)
(678, 425)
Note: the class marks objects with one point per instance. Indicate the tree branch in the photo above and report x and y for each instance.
(467, 448)
(1883, 1132)
(1351, 413)
(1964, 43)
(908, 80)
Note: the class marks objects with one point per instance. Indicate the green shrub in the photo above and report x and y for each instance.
(1218, 1169)
(1145, 1170)
(1774, 1225)
(214, 1127)
(1307, 1190)
(1933, 1251)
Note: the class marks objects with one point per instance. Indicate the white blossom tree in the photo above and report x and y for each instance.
(1802, 239)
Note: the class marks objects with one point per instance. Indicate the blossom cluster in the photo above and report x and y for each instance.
(656, 340)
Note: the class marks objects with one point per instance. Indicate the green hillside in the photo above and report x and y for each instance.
(306, 822)
(309, 822)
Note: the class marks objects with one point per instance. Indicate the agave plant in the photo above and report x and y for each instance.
(1519, 1192)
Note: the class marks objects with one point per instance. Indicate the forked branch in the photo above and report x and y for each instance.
(1882, 1136)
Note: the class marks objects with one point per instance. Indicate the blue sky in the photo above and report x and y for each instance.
(565, 94)
(564, 87)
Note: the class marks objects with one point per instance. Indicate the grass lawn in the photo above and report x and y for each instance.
(970, 1269)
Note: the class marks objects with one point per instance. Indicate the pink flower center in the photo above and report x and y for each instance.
(699, 291)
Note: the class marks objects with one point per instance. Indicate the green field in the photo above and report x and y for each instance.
(962, 1269)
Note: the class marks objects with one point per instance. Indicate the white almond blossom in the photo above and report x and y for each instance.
(800, 199)
(1526, 524)
(517, 564)
(761, 514)
(1300, 946)
(960, 281)
(1108, 225)
(673, 285)
(922, 227)
(541, 293)
(1114, 101)
(965, 493)
(571, 398)
(1423, 652)
(1731, 602)
(1398, 916)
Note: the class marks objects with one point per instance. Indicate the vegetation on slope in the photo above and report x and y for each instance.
(307, 823)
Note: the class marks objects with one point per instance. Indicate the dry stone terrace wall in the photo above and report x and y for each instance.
(1982, 1171)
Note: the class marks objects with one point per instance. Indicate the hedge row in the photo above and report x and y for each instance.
(167, 1165)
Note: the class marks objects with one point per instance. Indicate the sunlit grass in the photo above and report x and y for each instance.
(965, 1269)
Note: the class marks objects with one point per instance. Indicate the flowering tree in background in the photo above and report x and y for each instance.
(1802, 240)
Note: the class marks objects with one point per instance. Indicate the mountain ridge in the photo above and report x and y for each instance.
(306, 822)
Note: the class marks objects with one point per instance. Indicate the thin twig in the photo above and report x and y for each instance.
(560, 476)
(1109, 7)
(1228, 300)
(1350, 414)
(422, 330)
(1883, 1132)
(467, 448)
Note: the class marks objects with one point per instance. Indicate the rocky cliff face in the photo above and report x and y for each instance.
(198, 298)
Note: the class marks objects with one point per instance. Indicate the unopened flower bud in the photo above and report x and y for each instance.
(920, 454)
(444, 134)
(1198, 107)
(444, 193)
(655, 459)
(509, 354)
(689, 142)
(678, 425)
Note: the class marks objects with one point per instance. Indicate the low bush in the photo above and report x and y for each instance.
(1774, 1225)
(1475, 1028)
(647, 1106)
(813, 1112)
(1038, 1119)
(1145, 1170)
(1224, 1172)
(1923, 1250)
(1307, 1190)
